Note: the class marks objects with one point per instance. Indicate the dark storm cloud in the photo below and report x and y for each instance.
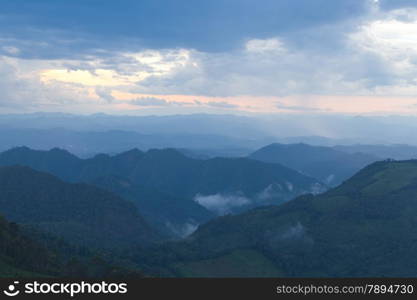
(60, 28)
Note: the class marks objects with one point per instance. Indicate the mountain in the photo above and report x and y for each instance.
(398, 151)
(316, 140)
(265, 129)
(324, 163)
(226, 125)
(89, 143)
(80, 213)
(27, 252)
(206, 187)
(211, 153)
(173, 216)
(22, 256)
(362, 228)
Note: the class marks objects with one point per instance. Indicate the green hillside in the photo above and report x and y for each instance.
(20, 256)
(189, 191)
(365, 227)
(173, 216)
(82, 214)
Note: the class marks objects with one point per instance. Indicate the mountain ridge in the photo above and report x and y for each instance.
(327, 164)
(217, 185)
(83, 214)
(363, 228)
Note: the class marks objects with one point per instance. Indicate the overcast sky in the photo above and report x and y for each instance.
(184, 56)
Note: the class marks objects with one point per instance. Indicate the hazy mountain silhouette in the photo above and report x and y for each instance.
(398, 151)
(324, 163)
(219, 185)
(89, 143)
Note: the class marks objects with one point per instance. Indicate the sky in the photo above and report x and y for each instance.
(220, 56)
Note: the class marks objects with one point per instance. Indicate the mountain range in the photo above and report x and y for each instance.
(363, 228)
(90, 143)
(396, 151)
(205, 187)
(329, 129)
(324, 163)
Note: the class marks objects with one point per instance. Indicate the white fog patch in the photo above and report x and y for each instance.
(289, 234)
(188, 228)
(221, 204)
(317, 188)
(182, 230)
(272, 191)
(329, 178)
(294, 232)
(267, 193)
(290, 186)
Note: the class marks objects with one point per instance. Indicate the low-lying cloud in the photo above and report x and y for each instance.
(182, 230)
(291, 234)
(221, 204)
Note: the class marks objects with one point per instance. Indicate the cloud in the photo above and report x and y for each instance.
(284, 106)
(208, 26)
(395, 4)
(270, 192)
(23, 89)
(104, 94)
(221, 204)
(294, 232)
(10, 50)
(265, 45)
(373, 57)
(76, 54)
(149, 101)
(182, 230)
(290, 234)
(220, 104)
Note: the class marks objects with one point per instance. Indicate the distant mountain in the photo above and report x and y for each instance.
(212, 153)
(324, 163)
(89, 143)
(217, 186)
(363, 228)
(79, 213)
(228, 125)
(316, 140)
(398, 151)
(265, 129)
